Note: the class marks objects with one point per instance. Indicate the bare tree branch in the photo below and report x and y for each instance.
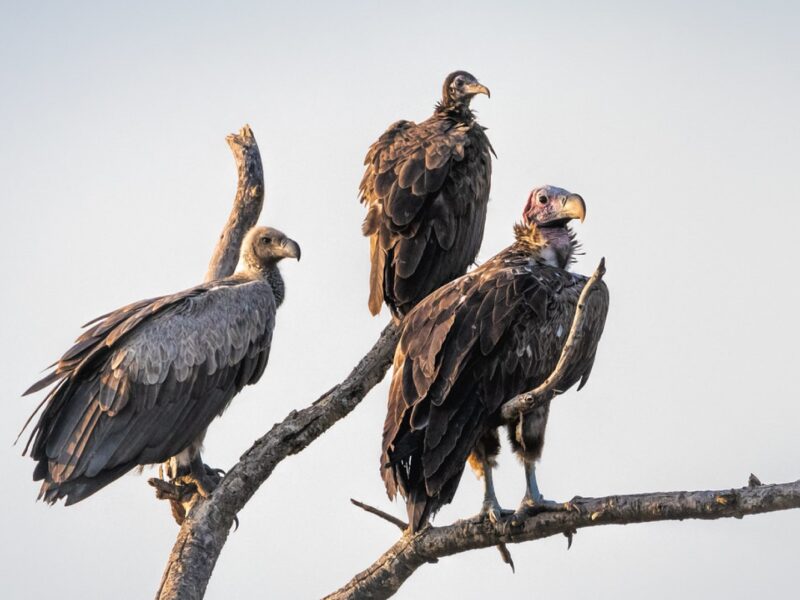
(398, 563)
(401, 525)
(208, 522)
(528, 401)
(246, 205)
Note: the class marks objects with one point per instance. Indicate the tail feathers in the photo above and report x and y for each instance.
(421, 507)
(74, 490)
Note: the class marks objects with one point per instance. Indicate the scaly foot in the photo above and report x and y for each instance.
(204, 482)
(492, 510)
(530, 508)
(180, 490)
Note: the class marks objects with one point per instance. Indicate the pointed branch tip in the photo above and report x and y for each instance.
(379, 513)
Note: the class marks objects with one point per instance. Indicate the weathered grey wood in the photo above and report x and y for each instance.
(246, 205)
(396, 565)
(206, 528)
(208, 522)
(246, 210)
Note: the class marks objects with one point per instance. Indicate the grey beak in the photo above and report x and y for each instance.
(291, 248)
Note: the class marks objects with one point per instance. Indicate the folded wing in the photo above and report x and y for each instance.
(144, 381)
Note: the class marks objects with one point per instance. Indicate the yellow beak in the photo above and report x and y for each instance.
(573, 207)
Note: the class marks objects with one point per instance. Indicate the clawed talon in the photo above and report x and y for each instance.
(204, 483)
(531, 508)
(180, 490)
(494, 512)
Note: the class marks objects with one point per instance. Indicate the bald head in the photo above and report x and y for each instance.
(551, 206)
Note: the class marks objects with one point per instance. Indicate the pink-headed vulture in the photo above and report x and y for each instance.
(475, 344)
(142, 383)
(426, 187)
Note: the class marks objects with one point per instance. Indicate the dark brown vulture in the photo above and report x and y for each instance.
(143, 383)
(426, 188)
(476, 343)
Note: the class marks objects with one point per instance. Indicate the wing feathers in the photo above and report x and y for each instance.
(464, 351)
(426, 187)
(146, 380)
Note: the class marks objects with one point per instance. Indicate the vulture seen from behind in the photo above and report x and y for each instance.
(426, 187)
(475, 344)
(143, 383)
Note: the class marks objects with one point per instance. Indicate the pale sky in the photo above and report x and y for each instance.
(678, 124)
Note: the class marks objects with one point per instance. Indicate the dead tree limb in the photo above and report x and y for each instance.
(400, 524)
(385, 576)
(208, 522)
(246, 205)
(528, 401)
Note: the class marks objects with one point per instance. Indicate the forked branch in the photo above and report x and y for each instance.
(208, 522)
(247, 203)
(385, 576)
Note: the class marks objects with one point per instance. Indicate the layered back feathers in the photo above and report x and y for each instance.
(465, 350)
(144, 381)
(426, 187)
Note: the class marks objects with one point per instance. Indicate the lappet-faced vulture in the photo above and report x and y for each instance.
(142, 384)
(476, 343)
(426, 187)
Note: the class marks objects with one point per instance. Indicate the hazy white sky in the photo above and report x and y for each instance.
(678, 124)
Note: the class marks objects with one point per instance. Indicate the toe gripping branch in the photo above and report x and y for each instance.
(182, 491)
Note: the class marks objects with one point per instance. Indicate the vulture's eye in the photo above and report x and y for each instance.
(266, 240)
(542, 199)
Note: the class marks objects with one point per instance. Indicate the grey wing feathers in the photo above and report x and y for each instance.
(145, 381)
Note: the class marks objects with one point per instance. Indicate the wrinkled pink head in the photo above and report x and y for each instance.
(550, 206)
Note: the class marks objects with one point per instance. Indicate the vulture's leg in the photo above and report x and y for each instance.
(482, 460)
(187, 475)
(187, 469)
(527, 439)
(533, 497)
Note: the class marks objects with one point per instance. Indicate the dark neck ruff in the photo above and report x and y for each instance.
(271, 274)
(275, 279)
(457, 112)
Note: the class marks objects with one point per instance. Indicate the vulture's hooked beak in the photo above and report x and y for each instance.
(476, 88)
(291, 249)
(573, 207)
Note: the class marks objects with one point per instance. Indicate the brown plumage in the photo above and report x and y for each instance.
(142, 384)
(475, 344)
(426, 187)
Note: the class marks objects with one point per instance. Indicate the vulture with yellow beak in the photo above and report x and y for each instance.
(426, 188)
(475, 344)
